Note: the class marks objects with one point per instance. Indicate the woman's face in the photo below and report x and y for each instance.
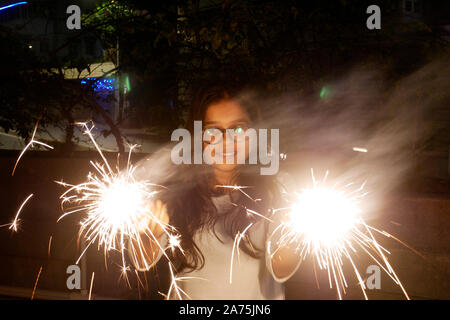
(223, 115)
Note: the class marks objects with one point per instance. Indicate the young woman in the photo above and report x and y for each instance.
(208, 215)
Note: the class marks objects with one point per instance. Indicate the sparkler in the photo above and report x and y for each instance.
(327, 225)
(116, 208)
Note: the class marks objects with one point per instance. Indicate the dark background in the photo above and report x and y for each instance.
(297, 54)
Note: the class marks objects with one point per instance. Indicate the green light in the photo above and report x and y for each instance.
(239, 129)
(324, 92)
(127, 83)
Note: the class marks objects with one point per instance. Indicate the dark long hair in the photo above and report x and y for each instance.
(190, 206)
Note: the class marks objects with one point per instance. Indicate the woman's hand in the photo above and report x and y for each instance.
(155, 220)
(146, 247)
(286, 259)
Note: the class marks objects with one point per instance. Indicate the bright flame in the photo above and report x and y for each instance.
(325, 224)
(323, 216)
(116, 207)
(117, 213)
(122, 203)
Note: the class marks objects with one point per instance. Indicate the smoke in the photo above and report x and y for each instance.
(394, 120)
(391, 119)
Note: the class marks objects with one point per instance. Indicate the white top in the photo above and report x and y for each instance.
(252, 278)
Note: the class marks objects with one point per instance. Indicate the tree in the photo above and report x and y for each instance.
(168, 48)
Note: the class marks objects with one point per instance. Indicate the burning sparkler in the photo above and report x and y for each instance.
(326, 224)
(116, 208)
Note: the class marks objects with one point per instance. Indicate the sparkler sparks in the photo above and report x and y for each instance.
(174, 289)
(13, 225)
(49, 245)
(29, 145)
(92, 284)
(327, 225)
(236, 243)
(116, 208)
(35, 283)
(241, 235)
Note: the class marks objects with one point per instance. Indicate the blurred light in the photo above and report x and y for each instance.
(127, 83)
(324, 92)
(100, 84)
(359, 149)
(30, 47)
(12, 5)
(324, 216)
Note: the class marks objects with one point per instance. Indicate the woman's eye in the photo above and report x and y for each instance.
(210, 131)
(239, 129)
